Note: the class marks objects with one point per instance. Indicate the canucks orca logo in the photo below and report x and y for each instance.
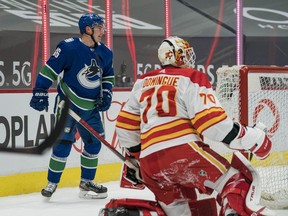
(89, 76)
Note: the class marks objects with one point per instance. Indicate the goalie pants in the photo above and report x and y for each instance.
(172, 174)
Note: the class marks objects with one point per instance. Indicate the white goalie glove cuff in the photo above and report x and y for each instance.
(247, 138)
(253, 140)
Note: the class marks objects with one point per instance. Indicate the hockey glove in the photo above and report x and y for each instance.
(39, 100)
(133, 172)
(131, 176)
(252, 139)
(104, 103)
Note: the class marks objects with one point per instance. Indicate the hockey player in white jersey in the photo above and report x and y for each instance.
(163, 123)
(84, 69)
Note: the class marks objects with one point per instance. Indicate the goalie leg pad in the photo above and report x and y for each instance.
(242, 191)
(233, 196)
(135, 206)
(180, 208)
(118, 212)
(205, 207)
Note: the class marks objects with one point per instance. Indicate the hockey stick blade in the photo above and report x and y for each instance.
(49, 141)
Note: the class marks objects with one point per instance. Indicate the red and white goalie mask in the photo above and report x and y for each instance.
(177, 52)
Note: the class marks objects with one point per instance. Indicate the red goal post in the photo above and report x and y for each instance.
(250, 94)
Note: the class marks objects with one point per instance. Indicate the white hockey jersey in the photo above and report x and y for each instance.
(169, 107)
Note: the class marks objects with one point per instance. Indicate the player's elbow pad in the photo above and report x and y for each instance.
(251, 139)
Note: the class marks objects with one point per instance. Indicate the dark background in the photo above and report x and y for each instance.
(265, 31)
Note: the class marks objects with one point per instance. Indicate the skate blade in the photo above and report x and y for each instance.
(46, 199)
(92, 195)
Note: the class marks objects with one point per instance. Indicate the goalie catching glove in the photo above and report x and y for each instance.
(252, 139)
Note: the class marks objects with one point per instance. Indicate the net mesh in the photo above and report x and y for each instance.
(266, 97)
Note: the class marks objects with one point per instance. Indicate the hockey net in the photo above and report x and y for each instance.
(250, 94)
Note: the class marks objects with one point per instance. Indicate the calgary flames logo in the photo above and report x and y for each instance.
(180, 53)
(179, 57)
(168, 55)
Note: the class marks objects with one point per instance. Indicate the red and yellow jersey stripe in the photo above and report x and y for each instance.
(207, 118)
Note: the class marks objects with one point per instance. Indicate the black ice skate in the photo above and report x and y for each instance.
(49, 189)
(90, 190)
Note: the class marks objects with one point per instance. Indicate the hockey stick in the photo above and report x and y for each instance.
(101, 98)
(101, 87)
(129, 163)
(95, 133)
(49, 141)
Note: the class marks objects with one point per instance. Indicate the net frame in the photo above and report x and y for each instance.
(234, 93)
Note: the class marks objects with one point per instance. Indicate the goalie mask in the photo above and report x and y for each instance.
(177, 52)
(90, 20)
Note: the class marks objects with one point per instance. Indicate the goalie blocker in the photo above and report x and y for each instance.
(131, 176)
(251, 139)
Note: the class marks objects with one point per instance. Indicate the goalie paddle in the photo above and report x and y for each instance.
(49, 141)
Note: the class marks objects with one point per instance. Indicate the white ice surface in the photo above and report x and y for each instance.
(65, 202)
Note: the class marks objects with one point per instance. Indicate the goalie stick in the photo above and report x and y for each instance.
(49, 141)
